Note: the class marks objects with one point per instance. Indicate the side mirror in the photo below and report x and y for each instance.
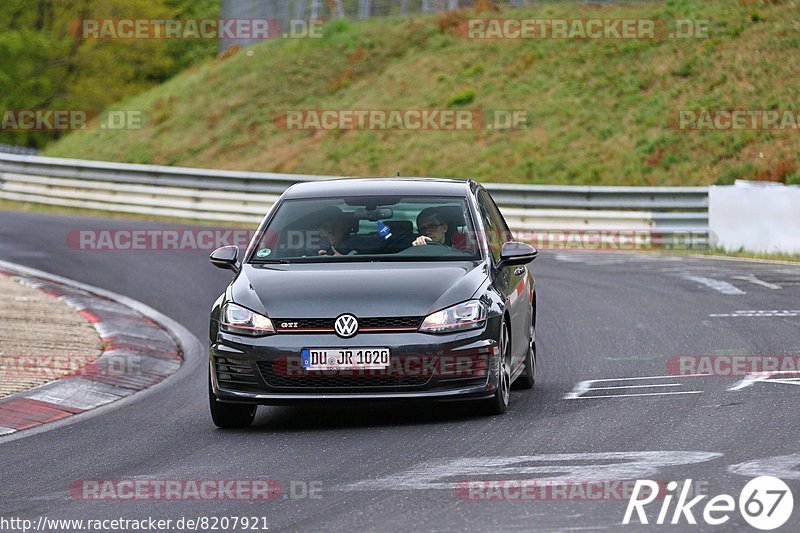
(517, 253)
(225, 257)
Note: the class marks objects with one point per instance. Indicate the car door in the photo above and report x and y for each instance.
(510, 282)
(520, 283)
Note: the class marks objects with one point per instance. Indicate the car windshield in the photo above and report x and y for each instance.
(375, 228)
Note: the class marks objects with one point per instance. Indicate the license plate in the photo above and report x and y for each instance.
(345, 359)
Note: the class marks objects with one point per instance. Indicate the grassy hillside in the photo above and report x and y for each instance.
(600, 110)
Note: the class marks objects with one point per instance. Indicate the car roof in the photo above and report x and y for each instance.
(379, 186)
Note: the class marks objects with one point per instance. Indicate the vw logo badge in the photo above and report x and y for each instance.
(346, 326)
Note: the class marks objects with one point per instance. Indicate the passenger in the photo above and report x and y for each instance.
(336, 230)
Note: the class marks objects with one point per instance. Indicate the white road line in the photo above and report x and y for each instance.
(755, 281)
(784, 381)
(760, 313)
(646, 377)
(637, 386)
(781, 466)
(583, 387)
(718, 285)
(641, 394)
(579, 389)
(755, 377)
(747, 381)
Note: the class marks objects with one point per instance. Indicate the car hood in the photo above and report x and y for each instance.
(363, 289)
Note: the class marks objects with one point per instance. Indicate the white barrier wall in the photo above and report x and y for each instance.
(755, 218)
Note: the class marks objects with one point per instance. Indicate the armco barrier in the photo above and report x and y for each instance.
(233, 196)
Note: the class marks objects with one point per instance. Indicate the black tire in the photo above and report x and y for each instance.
(498, 403)
(527, 379)
(230, 415)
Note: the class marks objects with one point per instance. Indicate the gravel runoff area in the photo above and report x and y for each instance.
(41, 337)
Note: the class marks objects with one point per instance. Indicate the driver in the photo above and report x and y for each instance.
(335, 227)
(433, 229)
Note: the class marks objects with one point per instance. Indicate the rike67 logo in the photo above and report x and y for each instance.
(765, 503)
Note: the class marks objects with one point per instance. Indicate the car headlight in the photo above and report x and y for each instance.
(242, 321)
(461, 317)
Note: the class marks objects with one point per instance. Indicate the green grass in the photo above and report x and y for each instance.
(600, 111)
(742, 254)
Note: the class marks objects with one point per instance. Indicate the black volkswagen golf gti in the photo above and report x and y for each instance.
(374, 289)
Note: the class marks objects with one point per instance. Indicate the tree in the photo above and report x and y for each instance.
(45, 64)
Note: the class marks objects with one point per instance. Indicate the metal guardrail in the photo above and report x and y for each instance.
(235, 196)
(597, 197)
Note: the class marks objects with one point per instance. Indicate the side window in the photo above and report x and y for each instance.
(492, 225)
(494, 211)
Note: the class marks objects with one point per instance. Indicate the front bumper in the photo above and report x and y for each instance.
(266, 370)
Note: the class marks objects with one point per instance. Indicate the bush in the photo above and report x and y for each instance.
(794, 179)
(461, 98)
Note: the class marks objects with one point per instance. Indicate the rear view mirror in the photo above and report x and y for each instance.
(373, 215)
(225, 257)
(517, 253)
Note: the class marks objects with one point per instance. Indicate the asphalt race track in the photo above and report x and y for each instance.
(602, 316)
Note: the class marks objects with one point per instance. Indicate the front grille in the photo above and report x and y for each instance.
(390, 322)
(280, 375)
(325, 325)
(235, 373)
